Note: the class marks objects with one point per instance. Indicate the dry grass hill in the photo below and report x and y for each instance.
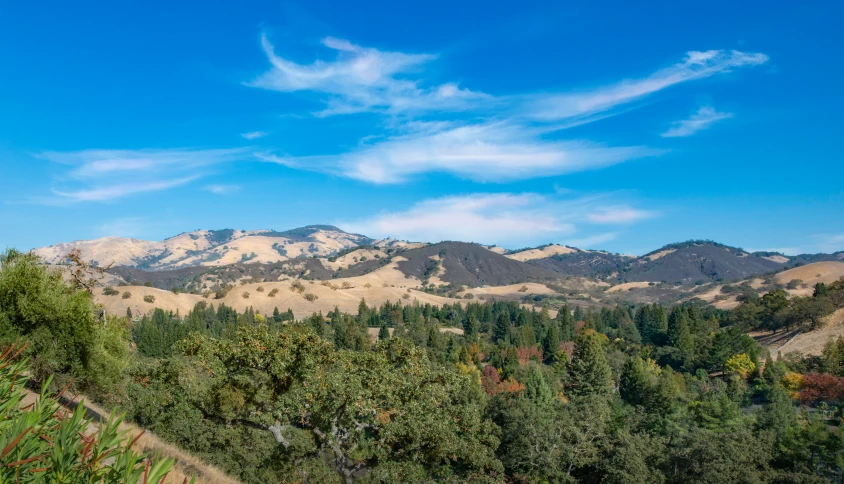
(209, 247)
(257, 268)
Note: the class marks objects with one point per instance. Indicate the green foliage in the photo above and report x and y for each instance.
(44, 442)
(37, 307)
(590, 373)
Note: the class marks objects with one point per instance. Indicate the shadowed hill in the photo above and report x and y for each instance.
(462, 263)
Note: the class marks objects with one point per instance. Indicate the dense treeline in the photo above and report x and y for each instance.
(625, 394)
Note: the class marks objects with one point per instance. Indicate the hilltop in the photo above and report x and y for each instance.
(209, 248)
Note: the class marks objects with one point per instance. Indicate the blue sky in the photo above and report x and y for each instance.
(595, 125)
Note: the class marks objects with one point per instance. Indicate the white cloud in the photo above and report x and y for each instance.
(592, 241)
(618, 215)
(103, 175)
(253, 135)
(696, 65)
(506, 219)
(363, 79)
(223, 189)
(702, 119)
(120, 190)
(493, 152)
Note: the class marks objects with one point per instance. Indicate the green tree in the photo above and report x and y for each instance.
(57, 322)
(589, 372)
(634, 383)
(383, 333)
(501, 330)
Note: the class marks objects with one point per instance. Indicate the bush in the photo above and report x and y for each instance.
(28, 434)
(405, 296)
(468, 295)
(794, 284)
(273, 292)
(126, 295)
(149, 298)
(245, 295)
(260, 289)
(57, 323)
(346, 285)
(523, 289)
(297, 286)
(110, 291)
(310, 297)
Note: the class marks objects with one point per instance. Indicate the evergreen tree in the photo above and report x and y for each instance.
(551, 341)
(680, 336)
(589, 372)
(537, 388)
(383, 333)
(501, 330)
(129, 313)
(579, 315)
(634, 383)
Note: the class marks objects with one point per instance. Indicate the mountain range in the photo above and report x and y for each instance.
(325, 251)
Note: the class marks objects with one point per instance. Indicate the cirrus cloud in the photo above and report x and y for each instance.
(506, 219)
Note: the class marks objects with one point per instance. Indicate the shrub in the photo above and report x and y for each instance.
(794, 284)
(367, 285)
(273, 292)
(149, 298)
(245, 295)
(468, 295)
(523, 289)
(297, 286)
(28, 434)
(110, 291)
(126, 295)
(260, 289)
(346, 285)
(148, 284)
(405, 296)
(310, 297)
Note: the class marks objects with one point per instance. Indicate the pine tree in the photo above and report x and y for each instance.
(470, 327)
(589, 371)
(579, 315)
(566, 320)
(129, 313)
(551, 341)
(502, 328)
(537, 389)
(383, 333)
(680, 336)
(634, 384)
(276, 315)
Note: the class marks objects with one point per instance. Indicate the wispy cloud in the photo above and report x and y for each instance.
(619, 215)
(505, 219)
(362, 79)
(476, 136)
(696, 65)
(493, 152)
(592, 241)
(705, 117)
(120, 190)
(104, 175)
(223, 189)
(253, 135)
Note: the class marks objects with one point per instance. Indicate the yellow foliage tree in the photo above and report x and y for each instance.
(741, 364)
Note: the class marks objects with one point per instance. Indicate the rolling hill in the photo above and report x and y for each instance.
(209, 248)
